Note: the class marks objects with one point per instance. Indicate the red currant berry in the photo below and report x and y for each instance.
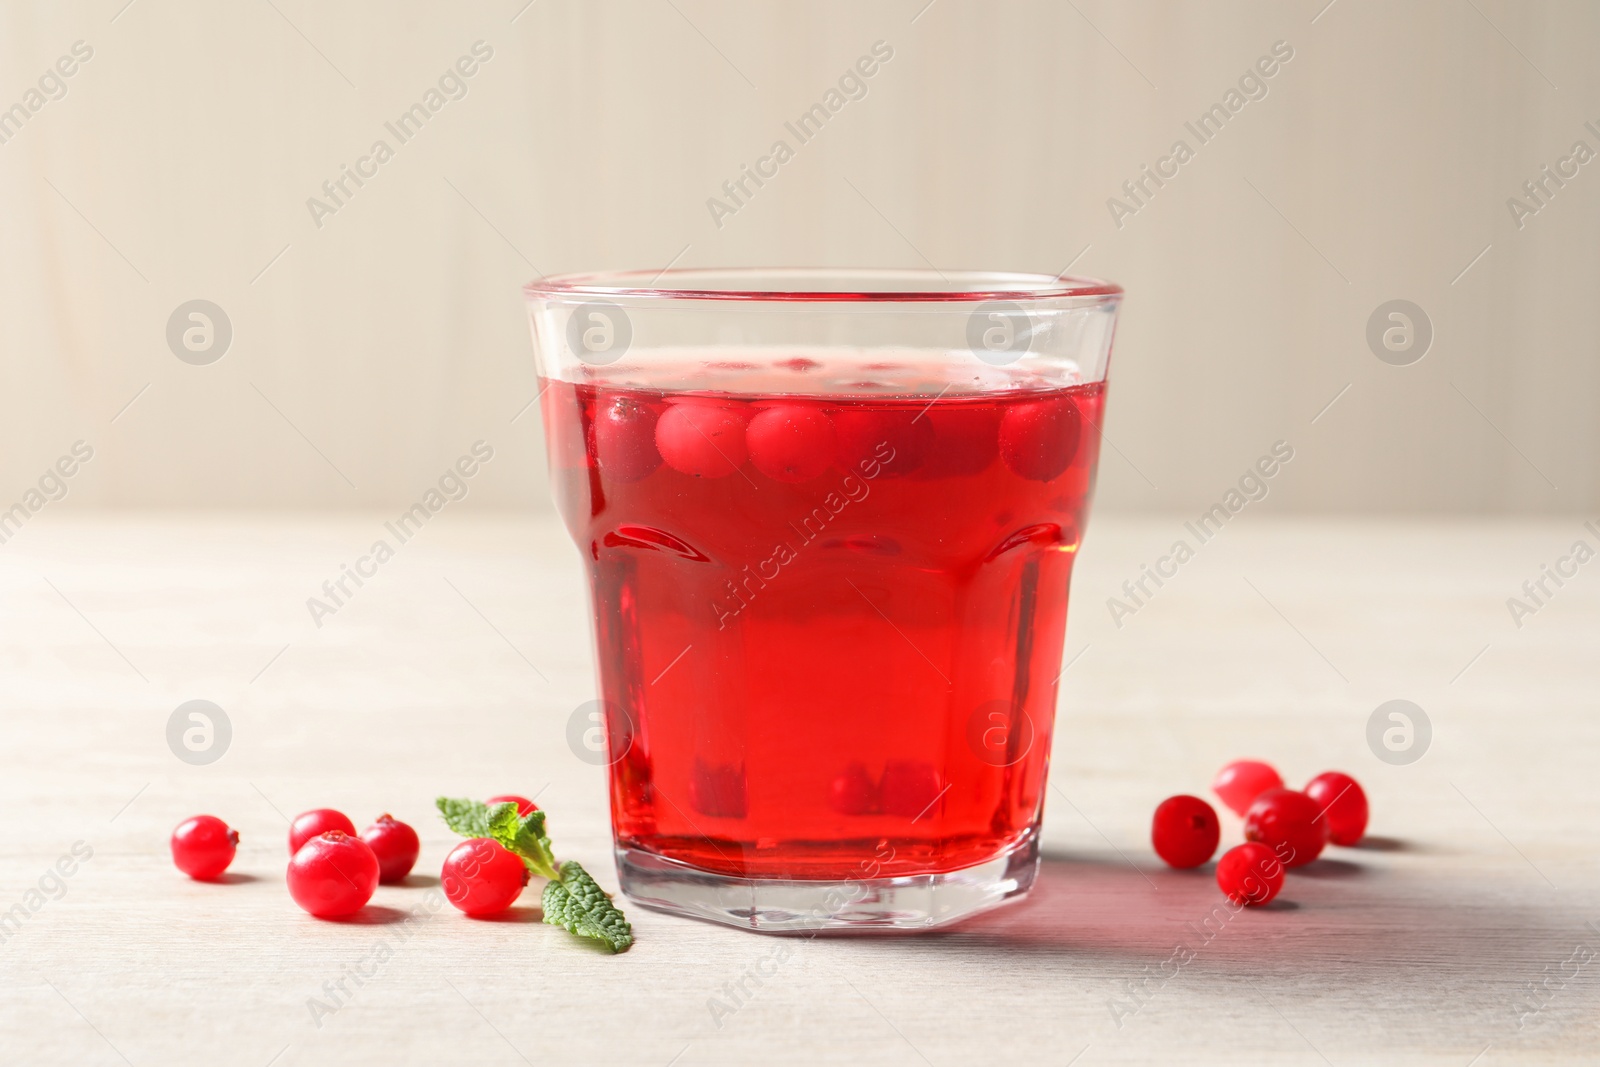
(481, 877)
(791, 442)
(1038, 438)
(910, 788)
(524, 805)
(1185, 831)
(396, 846)
(702, 438)
(625, 439)
(1288, 823)
(891, 441)
(1250, 874)
(964, 440)
(202, 847)
(1240, 782)
(319, 821)
(853, 791)
(333, 874)
(1343, 804)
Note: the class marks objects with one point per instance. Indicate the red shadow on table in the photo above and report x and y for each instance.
(373, 915)
(419, 881)
(1377, 939)
(232, 878)
(512, 915)
(1377, 843)
(1348, 920)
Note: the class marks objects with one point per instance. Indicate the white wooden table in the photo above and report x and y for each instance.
(455, 669)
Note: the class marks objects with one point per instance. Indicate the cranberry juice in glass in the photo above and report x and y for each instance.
(829, 520)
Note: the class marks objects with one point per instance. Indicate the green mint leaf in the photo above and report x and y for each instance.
(502, 821)
(524, 836)
(469, 818)
(579, 905)
(533, 845)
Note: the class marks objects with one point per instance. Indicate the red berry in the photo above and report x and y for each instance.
(1250, 874)
(1240, 782)
(891, 441)
(1038, 438)
(203, 846)
(791, 442)
(333, 874)
(318, 821)
(396, 846)
(910, 788)
(1288, 822)
(481, 877)
(702, 438)
(625, 439)
(524, 805)
(1343, 804)
(1185, 831)
(854, 792)
(964, 440)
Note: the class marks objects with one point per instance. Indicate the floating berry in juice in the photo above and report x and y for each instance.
(624, 443)
(791, 442)
(702, 439)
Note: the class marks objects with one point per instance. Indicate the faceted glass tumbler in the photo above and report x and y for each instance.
(828, 519)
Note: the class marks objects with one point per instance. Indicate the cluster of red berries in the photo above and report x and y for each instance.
(1282, 827)
(333, 871)
(796, 442)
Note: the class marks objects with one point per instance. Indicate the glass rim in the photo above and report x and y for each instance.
(822, 285)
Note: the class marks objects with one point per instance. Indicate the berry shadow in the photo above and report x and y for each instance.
(233, 878)
(418, 881)
(1375, 843)
(1326, 866)
(373, 915)
(512, 915)
(1280, 904)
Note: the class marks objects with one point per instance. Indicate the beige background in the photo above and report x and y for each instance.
(179, 162)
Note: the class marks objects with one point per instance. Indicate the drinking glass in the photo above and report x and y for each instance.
(828, 519)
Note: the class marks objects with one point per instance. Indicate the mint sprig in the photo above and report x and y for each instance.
(578, 904)
(572, 900)
(525, 836)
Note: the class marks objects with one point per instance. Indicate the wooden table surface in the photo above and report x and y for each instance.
(1464, 935)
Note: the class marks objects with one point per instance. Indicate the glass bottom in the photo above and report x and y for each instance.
(860, 905)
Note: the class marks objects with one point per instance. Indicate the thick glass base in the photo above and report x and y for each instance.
(865, 905)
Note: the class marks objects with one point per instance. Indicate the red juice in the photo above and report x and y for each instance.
(830, 612)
